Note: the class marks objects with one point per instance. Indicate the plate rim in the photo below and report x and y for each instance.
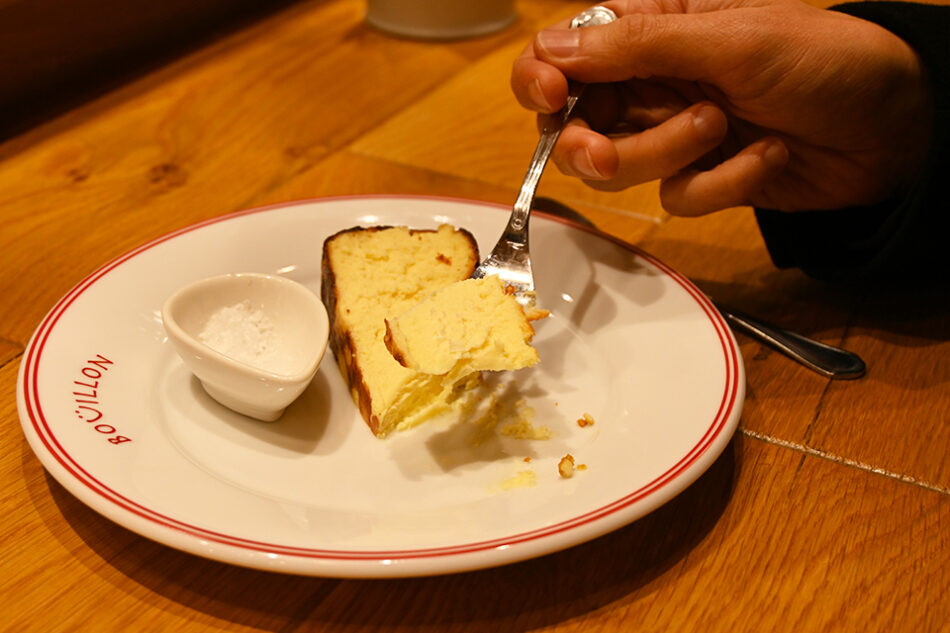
(375, 562)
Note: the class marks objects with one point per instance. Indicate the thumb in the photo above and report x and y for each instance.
(691, 46)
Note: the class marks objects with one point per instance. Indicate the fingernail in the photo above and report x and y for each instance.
(558, 42)
(708, 122)
(537, 96)
(583, 162)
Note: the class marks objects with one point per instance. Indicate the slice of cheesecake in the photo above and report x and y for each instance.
(369, 274)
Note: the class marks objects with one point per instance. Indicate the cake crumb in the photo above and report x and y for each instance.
(582, 467)
(522, 479)
(527, 460)
(585, 420)
(565, 467)
(522, 429)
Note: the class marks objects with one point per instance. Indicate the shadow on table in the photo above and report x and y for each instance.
(618, 567)
(922, 311)
(879, 323)
(56, 55)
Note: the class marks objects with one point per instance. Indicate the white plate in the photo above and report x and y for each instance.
(113, 414)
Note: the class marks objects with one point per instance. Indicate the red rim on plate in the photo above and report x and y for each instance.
(116, 506)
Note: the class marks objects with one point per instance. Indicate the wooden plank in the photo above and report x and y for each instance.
(827, 512)
(53, 55)
(202, 137)
(9, 350)
(485, 135)
(349, 173)
(897, 418)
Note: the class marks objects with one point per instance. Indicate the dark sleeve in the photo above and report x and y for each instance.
(906, 235)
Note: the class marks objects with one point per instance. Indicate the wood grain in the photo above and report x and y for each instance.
(898, 418)
(735, 551)
(208, 135)
(54, 55)
(492, 140)
(893, 419)
(9, 351)
(827, 512)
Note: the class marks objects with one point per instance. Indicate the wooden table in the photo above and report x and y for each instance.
(829, 510)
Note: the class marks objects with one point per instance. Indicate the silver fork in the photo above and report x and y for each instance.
(510, 260)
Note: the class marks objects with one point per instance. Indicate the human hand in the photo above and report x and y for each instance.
(772, 103)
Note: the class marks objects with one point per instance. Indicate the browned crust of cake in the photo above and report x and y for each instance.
(341, 343)
(391, 346)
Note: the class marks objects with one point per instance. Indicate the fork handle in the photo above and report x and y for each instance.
(518, 222)
(549, 136)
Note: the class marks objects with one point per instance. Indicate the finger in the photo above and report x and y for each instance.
(658, 152)
(645, 45)
(582, 153)
(650, 103)
(537, 85)
(735, 182)
(629, 106)
(624, 7)
(664, 150)
(603, 54)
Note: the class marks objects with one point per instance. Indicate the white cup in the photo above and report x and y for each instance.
(440, 19)
(300, 326)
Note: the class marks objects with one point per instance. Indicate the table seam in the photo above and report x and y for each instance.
(14, 357)
(845, 461)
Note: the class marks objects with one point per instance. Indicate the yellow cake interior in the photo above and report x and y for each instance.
(469, 326)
